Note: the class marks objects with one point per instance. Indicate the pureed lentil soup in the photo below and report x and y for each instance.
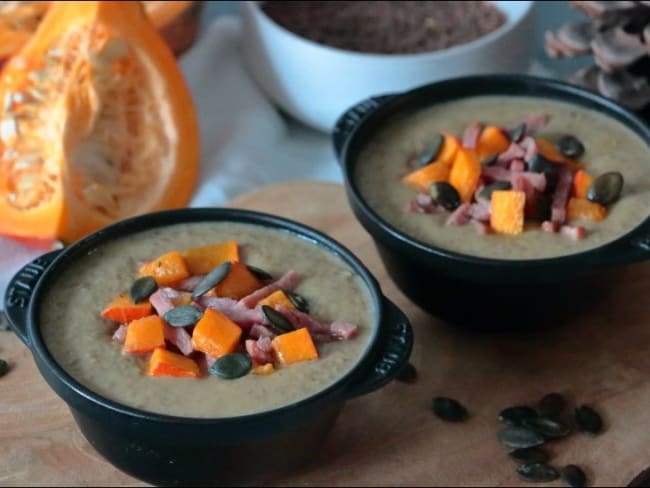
(609, 146)
(80, 339)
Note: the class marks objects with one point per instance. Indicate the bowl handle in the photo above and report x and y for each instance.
(395, 351)
(19, 293)
(351, 118)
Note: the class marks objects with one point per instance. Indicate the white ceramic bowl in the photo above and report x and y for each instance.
(317, 83)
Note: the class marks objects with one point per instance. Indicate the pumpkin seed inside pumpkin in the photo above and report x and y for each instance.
(276, 319)
(183, 316)
(231, 366)
(587, 420)
(573, 476)
(445, 195)
(606, 188)
(448, 409)
(212, 279)
(537, 472)
(142, 288)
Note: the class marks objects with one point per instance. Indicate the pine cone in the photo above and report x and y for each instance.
(617, 36)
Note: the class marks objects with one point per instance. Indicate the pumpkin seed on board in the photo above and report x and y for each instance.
(515, 415)
(430, 150)
(259, 273)
(517, 134)
(606, 188)
(587, 420)
(142, 288)
(529, 455)
(549, 428)
(183, 316)
(212, 279)
(448, 409)
(276, 319)
(551, 405)
(4, 367)
(537, 472)
(573, 476)
(520, 438)
(444, 194)
(408, 374)
(231, 366)
(570, 146)
(298, 301)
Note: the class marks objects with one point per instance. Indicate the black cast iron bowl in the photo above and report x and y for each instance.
(168, 450)
(474, 291)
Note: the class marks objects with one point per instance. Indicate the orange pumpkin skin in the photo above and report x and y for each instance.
(84, 177)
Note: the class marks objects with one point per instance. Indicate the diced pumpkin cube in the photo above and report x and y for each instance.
(294, 346)
(144, 335)
(167, 269)
(123, 310)
(166, 363)
(581, 183)
(239, 283)
(264, 369)
(492, 141)
(421, 179)
(215, 334)
(449, 148)
(202, 260)
(549, 150)
(581, 208)
(465, 174)
(507, 211)
(277, 299)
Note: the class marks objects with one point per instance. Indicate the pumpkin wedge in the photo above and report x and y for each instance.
(97, 124)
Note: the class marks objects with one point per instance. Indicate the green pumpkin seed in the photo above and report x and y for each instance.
(490, 160)
(518, 133)
(183, 316)
(520, 438)
(537, 472)
(606, 188)
(276, 319)
(142, 288)
(4, 367)
(486, 192)
(231, 366)
(529, 455)
(539, 164)
(551, 405)
(543, 207)
(587, 420)
(259, 273)
(408, 374)
(298, 301)
(570, 147)
(445, 195)
(448, 409)
(549, 428)
(573, 476)
(212, 279)
(430, 150)
(515, 415)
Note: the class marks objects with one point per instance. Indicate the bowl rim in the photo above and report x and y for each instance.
(253, 6)
(543, 88)
(172, 217)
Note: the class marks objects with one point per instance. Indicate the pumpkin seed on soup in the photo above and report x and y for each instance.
(448, 409)
(183, 316)
(259, 273)
(231, 366)
(430, 150)
(487, 190)
(212, 279)
(573, 476)
(517, 134)
(142, 288)
(298, 301)
(445, 195)
(490, 160)
(606, 188)
(570, 147)
(537, 472)
(276, 319)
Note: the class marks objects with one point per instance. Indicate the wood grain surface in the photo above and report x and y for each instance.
(390, 437)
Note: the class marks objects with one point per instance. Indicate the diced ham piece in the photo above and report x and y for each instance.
(521, 183)
(535, 122)
(179, 337)
(287, 282)
(260, 330)
(234, 310)
(210, 360)
(260, 350)
(530, 147)
(561, 196)
(480, 211)
(482, 228)
(574, 232)
(343, 330)
(494, 173)
(514, 151)
(517, 165)
(460, 216)
(163, 299)
(320, 331)
(549, 226)
(471, 135)
(120, 334)
(422, 204)
(188, 284)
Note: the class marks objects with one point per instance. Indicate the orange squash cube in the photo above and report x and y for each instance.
(421, 179)
(264, 369)
(123, 310)
(549, 150)
(167, 269)
(144, 335)
(294, 346)
(507, 215)
(492, 141)
(449, 148)
(239, 283)
(581, 183)
(465, 174)
(215, 334)
(581, 208)
(202, 260)
(166, 363)
(277, 299)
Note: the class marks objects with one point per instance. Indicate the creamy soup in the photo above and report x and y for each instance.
(80, 340)
(610, 146)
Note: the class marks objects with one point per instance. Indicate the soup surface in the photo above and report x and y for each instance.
(609, 146)
(80, 339)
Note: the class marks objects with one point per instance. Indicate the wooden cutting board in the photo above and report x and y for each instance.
(390, 437)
